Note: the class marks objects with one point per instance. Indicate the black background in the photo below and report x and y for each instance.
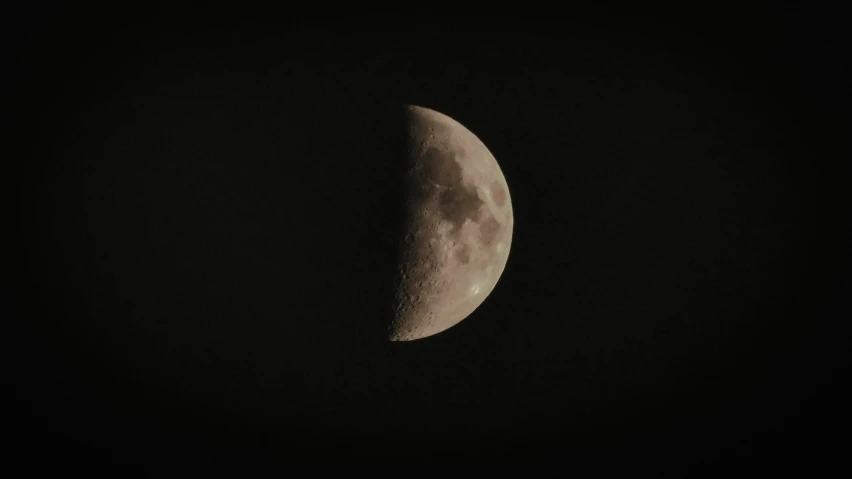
(206, 208)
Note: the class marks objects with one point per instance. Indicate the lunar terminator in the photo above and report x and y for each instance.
(459, 228)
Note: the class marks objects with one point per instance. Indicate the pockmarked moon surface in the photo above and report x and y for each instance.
(458, 228)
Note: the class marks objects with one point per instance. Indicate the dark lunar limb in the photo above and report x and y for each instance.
(393, 236)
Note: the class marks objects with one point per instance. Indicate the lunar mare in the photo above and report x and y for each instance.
(459, 228)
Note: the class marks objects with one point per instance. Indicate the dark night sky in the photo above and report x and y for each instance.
(209, 206)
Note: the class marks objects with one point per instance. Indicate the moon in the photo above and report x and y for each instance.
(458, 228)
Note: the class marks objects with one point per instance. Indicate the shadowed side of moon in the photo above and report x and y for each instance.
(458, 230)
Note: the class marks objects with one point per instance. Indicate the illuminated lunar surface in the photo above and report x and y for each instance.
(459, 227)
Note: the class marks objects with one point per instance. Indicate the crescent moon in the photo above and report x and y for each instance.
(459, 227)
